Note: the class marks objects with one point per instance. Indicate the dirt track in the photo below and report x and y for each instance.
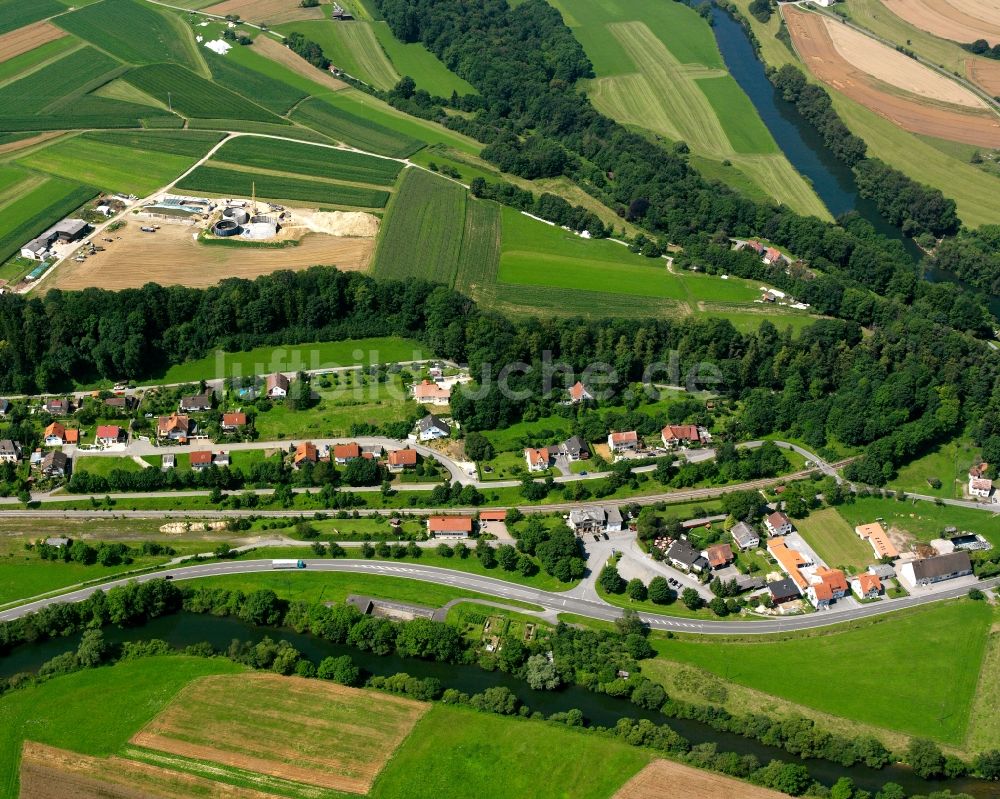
(661, 779)
(271, 12)
(276, 51)
(959, 20)
(27, 38)
(171, 256)
(815, 46)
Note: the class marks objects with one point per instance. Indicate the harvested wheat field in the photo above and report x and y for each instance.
(308, 731)
(961, 21)
(270, 12)
(50, 773)
(172, 256)
(276, 51)
(814, 43)
(985, 74)
(661, 778)
(27, 38)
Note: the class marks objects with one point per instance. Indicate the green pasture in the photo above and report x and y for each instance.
(922, 519)
(948, 462)
(16, 14)
(834, 540)
(421, 64)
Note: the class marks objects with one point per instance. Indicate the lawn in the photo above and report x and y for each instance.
(421, 64)
(294, 358)
(458, 752)
(745, 129)
(111, 167)
(94, 711)
(921, 518)
(104, 465)
(948, 462)
(834, 540)
(513, 438)
(866, 672)
(421, 235)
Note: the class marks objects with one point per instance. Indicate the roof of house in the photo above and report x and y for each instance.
(882, 570)
(55, 429)
(492, 515)
(778, 520)
(980, 483)
(578, 390)
(626, 437)
(868, 583)
(196, 401)
(833, 579)
(941, 566)
(72, 435)
(403, 457)
(743, 533)
(54, 460)
(108, 431)
(719, 555)
(202, 457)
(116, 402)
(879, 539)
(772, 253)
(427, 390)
(4, 405)
(431, 421)
(791, 560)
(782, 588)
(978, 470)
(347, 451)
(537, 455)
(8, 447)
(306, 451)
(235, 419)
(755, 245)
(176, 421)
(680, 432)
(682, 552)
(277, 380)
(583, 515)
(574, 444)
(450, 524)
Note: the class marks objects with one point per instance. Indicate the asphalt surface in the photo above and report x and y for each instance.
(550, 601)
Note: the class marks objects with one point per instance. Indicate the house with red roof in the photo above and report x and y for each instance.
(867, 586)
(342, 453)
(108, 434)
(429, 393)
(825, 586)
(402, 459)
(232, 422)
(578, 393)
(674, 435)
(449, 526)
(627, 441)
(537, 459)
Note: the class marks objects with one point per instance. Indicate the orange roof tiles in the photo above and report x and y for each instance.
(403, 457)
(879, 540)
(791, 560)
(450, 524)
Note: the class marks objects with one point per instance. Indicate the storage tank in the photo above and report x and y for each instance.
(262, 227)
(238, 215)
(225, 227)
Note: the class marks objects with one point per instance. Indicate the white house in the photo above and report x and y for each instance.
(778, 524)
(428, 393)
(745, 536)
(537, 459)
(980, 486)
(623, 442)
(276, 385)
(936, 569)
(10, 451)
(578, 393)
(430, 428)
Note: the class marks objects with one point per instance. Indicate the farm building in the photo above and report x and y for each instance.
(936, 569)
(180, 207)
(881, 544)
(449, 526)
(65, 231)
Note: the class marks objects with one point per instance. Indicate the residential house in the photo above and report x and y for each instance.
(196, 403)
(201, 459)
(431, 428)
(790, 560)
(305, 452)
(627, 441)
(169, 462)
(747, 582)
(222, 460)
(745, 536)
(449, 526)
(72, 435)
(10, 451)
(778, 523)
(936, 569)
(55, 435)
(879, 539)
(755, 246)
(537, 459)
(58, 407)
(174, 427)
(402, 459)
(428, 393)
(867, 586)
(108, 434)
(826, 586)
(342, 453)
(54, 464)
(719, 556)
(674, 435)
(574, 448)
(595, 520)
(578, 393)
(684, 556)
(883, 571)
(784, 591)
(120, 403)
(980, 486)
(276, 386)
(233, 422)
(772, 256)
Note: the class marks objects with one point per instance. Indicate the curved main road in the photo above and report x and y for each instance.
(549, 600)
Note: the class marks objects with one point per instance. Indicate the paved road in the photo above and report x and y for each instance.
(550, 601)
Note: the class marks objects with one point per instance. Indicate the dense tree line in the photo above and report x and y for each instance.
(307, 49)
(548, 206)
(982, 47)
(974, 256)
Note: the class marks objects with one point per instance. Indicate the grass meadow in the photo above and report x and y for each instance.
(834, 540)
(419, 63)
(865, 672)
(948, 462)
(922, 519)
(352, 48)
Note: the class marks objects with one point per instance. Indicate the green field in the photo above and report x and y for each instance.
(948, 462)
(457, 752)
(111, 167)
(922, 519)
(30, 213)
(134, 32)
(16, 14)
(353, 129)
(352, 48)
(422, 231)
(67, 77)
(293, 358)
(309, 160)
(479, 258)
(658, 68)
(835, 540)
(868, 672)
(194, 143)
(104, 465)
(194, 96)
(275, 95)
(216, 180)
(39, 55)
(421, 64)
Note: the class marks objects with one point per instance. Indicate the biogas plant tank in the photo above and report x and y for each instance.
(226, 227)
(262, 227)
(237, 215)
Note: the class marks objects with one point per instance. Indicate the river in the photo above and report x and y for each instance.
(183, 629)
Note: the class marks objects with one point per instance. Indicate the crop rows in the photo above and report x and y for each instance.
(480, 256)
(307, 159)
(188, 142)
(16, 14)
(73, 73)
(134, 32)
(354, 130)
(422, 236)
(31, 213)
(275, 95)
(193, 96)
(214, 180)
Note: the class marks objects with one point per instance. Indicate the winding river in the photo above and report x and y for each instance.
(183, 629)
